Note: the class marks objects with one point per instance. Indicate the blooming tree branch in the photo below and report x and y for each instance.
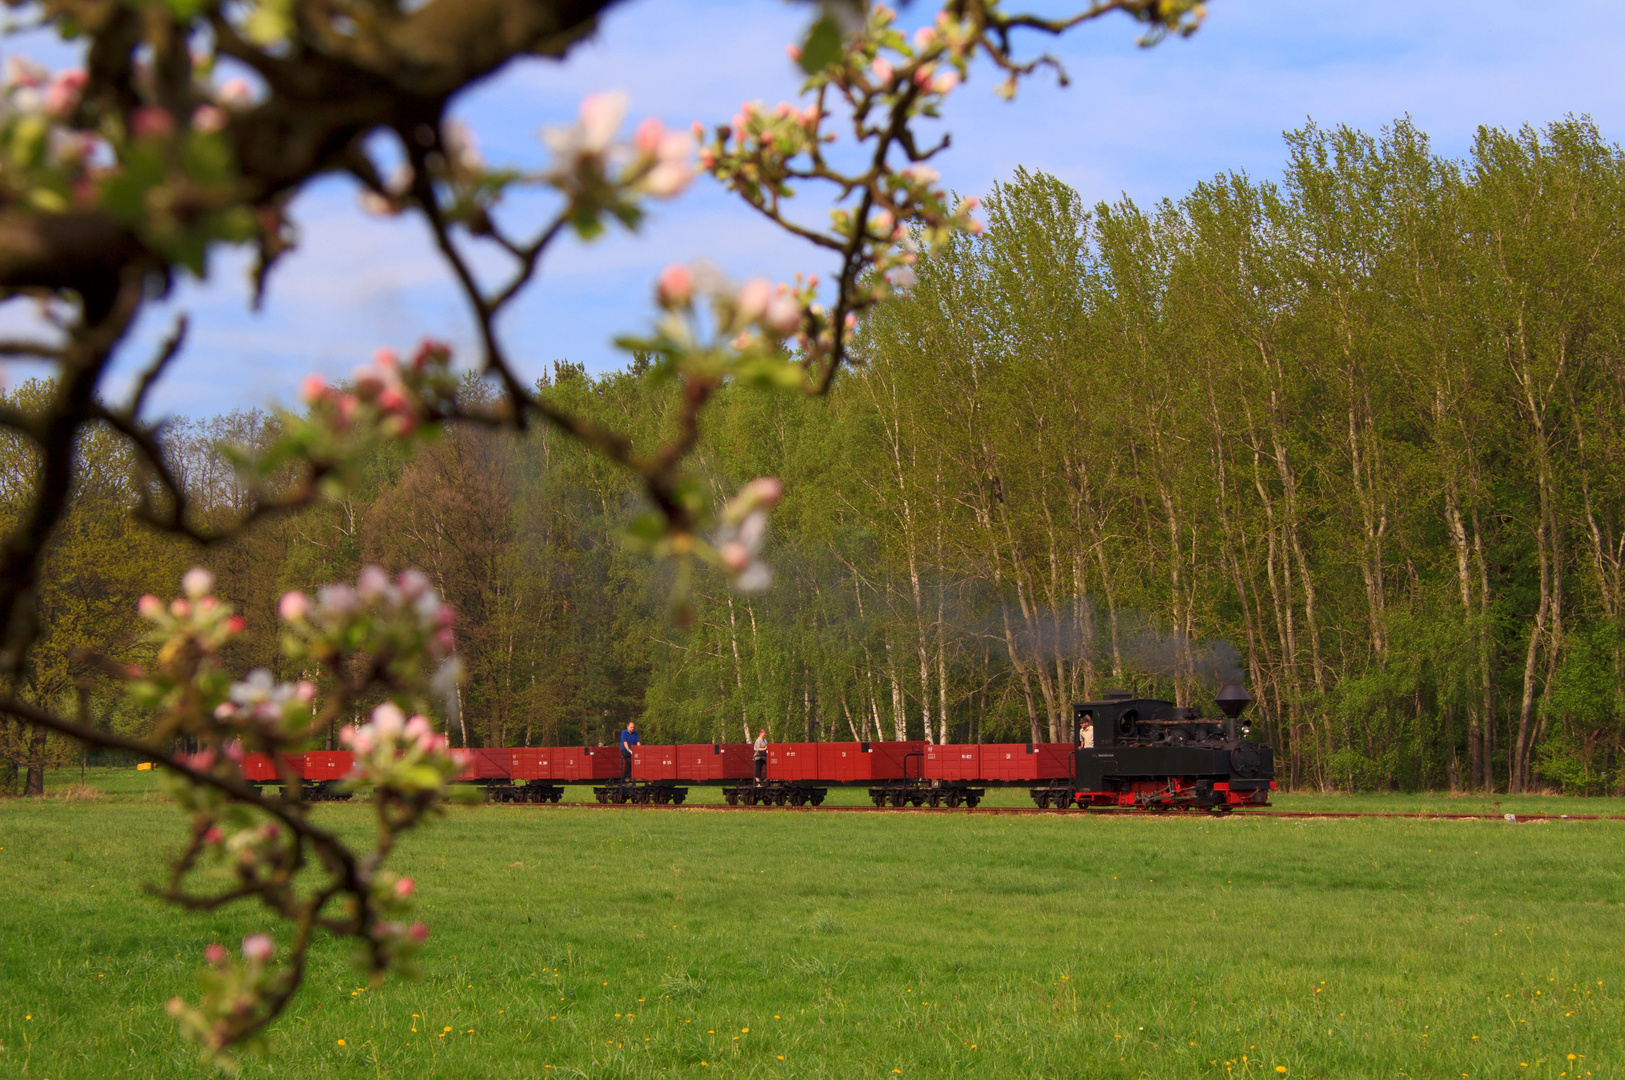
(118, 177)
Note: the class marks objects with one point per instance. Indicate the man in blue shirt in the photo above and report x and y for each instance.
(629, 739)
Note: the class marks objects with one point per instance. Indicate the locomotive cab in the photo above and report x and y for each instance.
(1133, 751)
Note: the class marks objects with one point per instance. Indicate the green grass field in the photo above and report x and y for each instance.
(633, 942)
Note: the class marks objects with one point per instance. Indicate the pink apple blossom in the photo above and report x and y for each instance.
(293, 606)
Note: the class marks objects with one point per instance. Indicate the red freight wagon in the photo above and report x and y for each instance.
(327, 765)
(792, 761)
(897, 760)
(588, 763)
(1054, 760)
(1010, 761)
(842, 762)
(736, 761)
(487, 765)
(694, 761)
(526, 762)
(953, 761)
(259, 768)
(653, 762)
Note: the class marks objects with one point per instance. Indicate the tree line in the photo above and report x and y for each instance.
(1353, 437)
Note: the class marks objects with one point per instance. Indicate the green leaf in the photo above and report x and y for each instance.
(822, 46)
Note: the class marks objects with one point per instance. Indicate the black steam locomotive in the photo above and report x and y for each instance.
(1150, 754)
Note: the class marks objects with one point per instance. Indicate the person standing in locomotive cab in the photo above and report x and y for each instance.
(629, 739)
(1086, 735)
(761, 754)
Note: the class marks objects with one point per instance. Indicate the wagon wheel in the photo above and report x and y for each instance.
(798, 798)
(972, 800)
(934, 799)
(953, 800)
(817, 798)
(732, 795)
(680, 795)
(1042, 799)
(898, 798)
(878, 800)
(750, 798)
(780, 798)
(555, 799)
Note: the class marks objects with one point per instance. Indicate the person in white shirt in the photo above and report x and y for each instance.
(1086, 735)
(761, 754)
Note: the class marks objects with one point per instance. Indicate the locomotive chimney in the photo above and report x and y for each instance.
(1231, 700)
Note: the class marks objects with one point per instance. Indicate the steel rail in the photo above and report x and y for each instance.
(1072, 812)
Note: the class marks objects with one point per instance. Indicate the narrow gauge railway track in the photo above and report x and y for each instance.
(1079, 812)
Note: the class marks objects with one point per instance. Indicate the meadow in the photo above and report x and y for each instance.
(635, 942)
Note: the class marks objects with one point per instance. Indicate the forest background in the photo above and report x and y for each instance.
(1355, 438)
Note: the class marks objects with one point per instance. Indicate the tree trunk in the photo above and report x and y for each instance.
(35, 783)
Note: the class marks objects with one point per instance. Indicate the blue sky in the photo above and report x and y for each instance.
(1145, 123)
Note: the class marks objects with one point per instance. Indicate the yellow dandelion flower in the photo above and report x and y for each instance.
(744, 1031)
(1280, 1068)
(781, 1057)
(341, 1042)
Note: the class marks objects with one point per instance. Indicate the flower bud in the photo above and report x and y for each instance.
(752, 299)
(373, 584)
(734, 555)
(197, 582)
(150, 606)
(294, 606)
(882, 70)
(215, 954)
(313, 389)
(783, 315)
(258, 947)
(388, 720)
(151, 122)
(675, 286)
(412, 584)
(419, 932)
(647, 135)
(764, 491)
(405, 887)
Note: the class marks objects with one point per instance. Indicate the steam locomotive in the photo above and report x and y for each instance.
(1126, 752)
